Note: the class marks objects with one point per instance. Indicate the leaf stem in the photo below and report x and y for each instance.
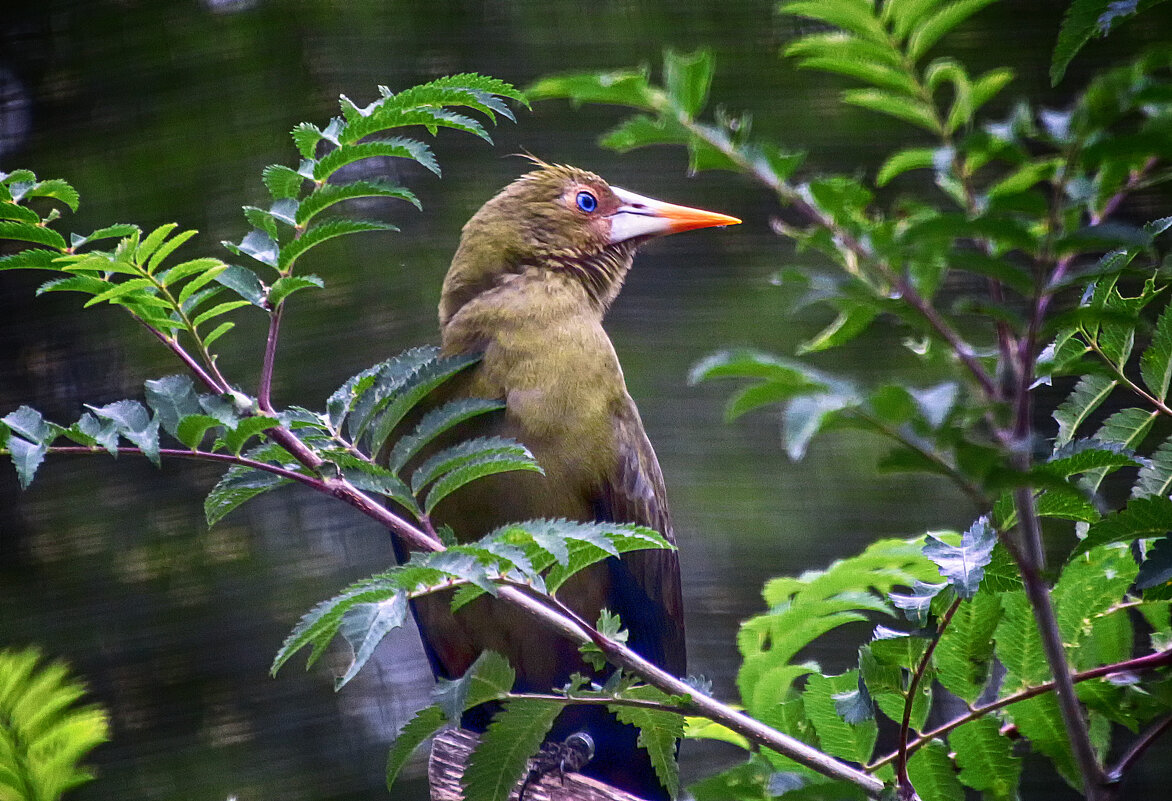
(1137, 749)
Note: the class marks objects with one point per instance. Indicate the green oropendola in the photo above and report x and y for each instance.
(536, 270)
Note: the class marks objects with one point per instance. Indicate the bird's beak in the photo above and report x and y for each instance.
(643, 216)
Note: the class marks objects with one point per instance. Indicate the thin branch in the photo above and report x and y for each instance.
(198, 456)
(901, 776)
(1148, 662)
(972, 490)
(215, 385)
(1137, 749)
(264, 393)
(754, 730)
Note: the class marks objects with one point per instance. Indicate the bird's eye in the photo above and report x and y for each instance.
(587, 202)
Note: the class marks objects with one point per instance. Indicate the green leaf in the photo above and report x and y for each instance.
(986, 759)
(1018, 645)
(1128, 427)
(30, 259)
(853, 319)
(901, 161)
(57, 189)
(238, 485)
(244, 283)
(26, 232)
(1155, 477)
(365, 625)
(246, 429)
(258, 245)
(927, 31)
(329, 194)
(172, 275)
(217, 310)
(687, 78)
(931, 773)
(1085, 455)
(134, 423)
(837, 737)
(281, 181)
(436, 422)
(46, 733)
(116, 231)
(1145, 517)
(1039, 720)
(26, 457)
(395, 395)
(286, 286)
(151, 242)
(901, 107)
(658, 733)
(475, 468)
(1088, 394)
(498, 763)
(964, 653)
(371, 477)
(390, 147)
(1157, 567)
(324, 231)
(192, 429)
(623, 88)
(11, 211)
(1024, 177)
(172, 398)
(414, 733)
(641, 131)
(856, 16)
(1155, 364)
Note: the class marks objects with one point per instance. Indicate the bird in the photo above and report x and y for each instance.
(535, 272)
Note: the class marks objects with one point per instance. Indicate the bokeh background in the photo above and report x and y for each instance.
(168, 111)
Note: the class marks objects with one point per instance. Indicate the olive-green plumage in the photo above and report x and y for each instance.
(536, 269)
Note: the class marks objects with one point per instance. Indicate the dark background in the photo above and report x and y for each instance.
(167, 111)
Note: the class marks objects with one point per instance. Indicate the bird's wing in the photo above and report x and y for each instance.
(645, 584)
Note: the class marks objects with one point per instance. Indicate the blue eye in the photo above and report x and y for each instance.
(587, 202)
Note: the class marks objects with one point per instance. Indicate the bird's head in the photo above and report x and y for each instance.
(565, 219)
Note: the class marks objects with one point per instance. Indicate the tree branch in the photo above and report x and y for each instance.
(1148, 662)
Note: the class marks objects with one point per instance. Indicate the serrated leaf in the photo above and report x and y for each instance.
(1085, 455)
(281, 181)
(365, 625)
(910, 110)
(928, 30)
(964, 565)
(1088, 394)
(1145, 517)
(964, 653)
(624, 88)
(238, 485)
(1157, 566)
(498, 763)
(931, 773)
(249, 427)
(414, 733)
(243, 282)
(192, 429)
(30, 259)
(28, 232)
(658, 733)
(1155, 364)
(986, 759)
(914, 158)
(857, 17)
(286, 286)
(687, 78)
(836, 736)
(134, 423)
(57, 189)
(1039, 720)
(259, 245)
(172, 398)
(475, 468)
(436, 422)
(329, 194)
(26, 457)
(325, 231)
(1018, 645)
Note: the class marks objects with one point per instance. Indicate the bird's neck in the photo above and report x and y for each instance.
(525, 303)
